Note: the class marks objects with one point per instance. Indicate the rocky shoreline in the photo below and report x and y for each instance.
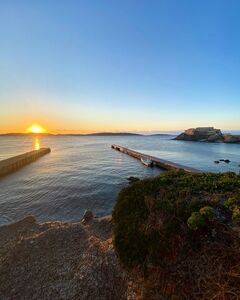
(207, 134)
(59, 260)
(168, 231)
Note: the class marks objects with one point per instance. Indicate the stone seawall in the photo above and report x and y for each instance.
(12, 164)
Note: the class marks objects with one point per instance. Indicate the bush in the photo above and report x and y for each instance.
(167, 235)
(196, 221)
(208, 212)
(231, 202)
(236, 215)
(152, 217)
(200, 219)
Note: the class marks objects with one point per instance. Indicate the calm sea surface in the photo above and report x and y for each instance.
(85, 173)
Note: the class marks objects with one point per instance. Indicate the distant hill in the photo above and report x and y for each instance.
(73, 134)
(112, 133)
(25, 134)
(86, 134)
(102, 134)
(161, 134)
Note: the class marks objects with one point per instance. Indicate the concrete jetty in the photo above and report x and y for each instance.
(12, 164)
(162, 163)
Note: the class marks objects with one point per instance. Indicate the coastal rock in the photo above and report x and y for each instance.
(207, 134)
(215, 138)
(57, 260)
(87, 217)
(201, 134)
(227, 161)
(229, 138)
(132, 179)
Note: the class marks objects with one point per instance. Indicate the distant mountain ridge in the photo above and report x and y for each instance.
(86, 134)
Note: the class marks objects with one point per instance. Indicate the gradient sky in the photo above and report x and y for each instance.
(87, 66)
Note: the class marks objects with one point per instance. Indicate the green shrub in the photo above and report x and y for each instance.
(230, 203)
(233, 204)
(208, 212)
(199, 219)
(236, 214)
(196, 221)
(151, 218)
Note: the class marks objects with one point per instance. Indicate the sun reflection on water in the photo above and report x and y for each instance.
(36, 144)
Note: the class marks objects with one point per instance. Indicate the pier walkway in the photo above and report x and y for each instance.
(12, 164)
(162, 163)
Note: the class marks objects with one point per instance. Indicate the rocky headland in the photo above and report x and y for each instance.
(178, 236)
(207, 134)
(175, 236)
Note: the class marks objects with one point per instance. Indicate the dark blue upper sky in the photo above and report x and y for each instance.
(119, 65)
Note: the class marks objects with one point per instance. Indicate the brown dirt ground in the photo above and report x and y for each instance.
(57, 260)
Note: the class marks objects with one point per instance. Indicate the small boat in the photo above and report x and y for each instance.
(147, 162)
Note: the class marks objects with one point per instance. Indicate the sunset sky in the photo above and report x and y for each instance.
(88, 66)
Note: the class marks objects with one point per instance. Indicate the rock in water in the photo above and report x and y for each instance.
(227, 161)
(87, 217)
(230, 138)
(132, 179)
(215, 138)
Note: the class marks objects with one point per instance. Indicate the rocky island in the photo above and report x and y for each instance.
(208, 134)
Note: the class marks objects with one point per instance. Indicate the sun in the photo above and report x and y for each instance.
(36, 129)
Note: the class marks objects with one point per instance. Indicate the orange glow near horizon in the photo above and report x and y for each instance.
(36, 129)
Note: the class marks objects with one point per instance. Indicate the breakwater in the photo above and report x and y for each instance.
(162, 163)
(12, 164)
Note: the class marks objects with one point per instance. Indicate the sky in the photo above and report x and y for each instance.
(88, 66)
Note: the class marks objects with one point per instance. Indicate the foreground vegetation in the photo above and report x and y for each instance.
(180, 231)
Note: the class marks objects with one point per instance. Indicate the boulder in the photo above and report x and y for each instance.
(229, 138)
(215, 138)
(227, 161)
(132, 179)
(87, 217)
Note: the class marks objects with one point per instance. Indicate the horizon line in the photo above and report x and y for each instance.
(142, 132)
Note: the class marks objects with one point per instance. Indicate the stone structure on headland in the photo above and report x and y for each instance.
(207, 134)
